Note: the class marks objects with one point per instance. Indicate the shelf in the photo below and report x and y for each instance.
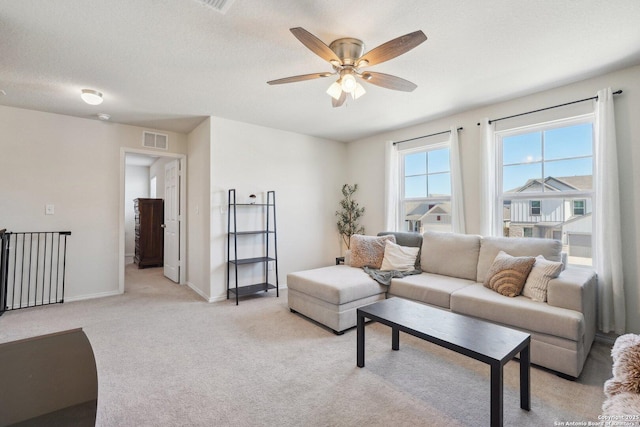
(266, 245)
(245, 233)
(252, 260)
(252, 289)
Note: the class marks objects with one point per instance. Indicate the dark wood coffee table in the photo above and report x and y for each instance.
(492, 344)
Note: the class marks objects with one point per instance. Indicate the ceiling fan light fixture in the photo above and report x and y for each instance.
(91, 97)
(335, 90)
(358, 91)
(348, 83)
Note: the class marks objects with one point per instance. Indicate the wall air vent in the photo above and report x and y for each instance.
(155, 140)
(221, 6)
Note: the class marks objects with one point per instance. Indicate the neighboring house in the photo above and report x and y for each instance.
(429, 216)
(563, 218)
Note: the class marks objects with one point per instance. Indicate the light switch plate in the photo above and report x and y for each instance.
(49, 209)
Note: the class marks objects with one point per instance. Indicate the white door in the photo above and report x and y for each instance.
(172, 220)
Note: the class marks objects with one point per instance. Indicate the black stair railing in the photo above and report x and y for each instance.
(32, 268)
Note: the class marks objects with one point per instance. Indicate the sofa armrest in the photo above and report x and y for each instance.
(574, 289)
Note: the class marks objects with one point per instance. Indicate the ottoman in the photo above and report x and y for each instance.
(331, 295)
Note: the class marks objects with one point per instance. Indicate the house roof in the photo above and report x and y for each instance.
(168, 64)
(550, 183)
(420, 211)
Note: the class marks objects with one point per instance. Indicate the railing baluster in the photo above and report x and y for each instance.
(38, 259)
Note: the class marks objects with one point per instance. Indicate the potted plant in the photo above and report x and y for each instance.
(349, 214)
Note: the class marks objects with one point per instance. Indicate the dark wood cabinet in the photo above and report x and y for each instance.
(149, 217)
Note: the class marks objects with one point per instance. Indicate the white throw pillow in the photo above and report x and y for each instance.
(400, 258)
(538, 281)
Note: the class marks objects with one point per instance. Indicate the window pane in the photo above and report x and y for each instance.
(577, 173)
(517, 176)
(415, 164)
(524, 148)
(440, 185)
(564, 219)
(438, 161)
(422, 216)
(570, 141)
(415, 186)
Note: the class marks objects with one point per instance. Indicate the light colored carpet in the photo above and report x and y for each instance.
(167, 358)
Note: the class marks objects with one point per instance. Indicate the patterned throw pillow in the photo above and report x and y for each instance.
(368, 251)
(538, 281)
(508, 274)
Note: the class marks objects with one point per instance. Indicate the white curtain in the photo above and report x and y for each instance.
(457, 196)
(607, 236)
(391, 187)
(488, 214)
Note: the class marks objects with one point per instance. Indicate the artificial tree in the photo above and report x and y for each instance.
(349, 214)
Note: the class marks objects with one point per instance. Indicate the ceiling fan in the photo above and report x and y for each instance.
(346, 57)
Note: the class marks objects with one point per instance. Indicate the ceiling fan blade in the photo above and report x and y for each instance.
(314, 44)
(299, 78)
(388, 81)
(338, 102)
(392, 48)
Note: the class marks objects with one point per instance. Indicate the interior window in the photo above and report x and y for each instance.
(546, 183)
(425, 199)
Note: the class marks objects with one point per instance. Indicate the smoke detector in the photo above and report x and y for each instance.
(221, 6)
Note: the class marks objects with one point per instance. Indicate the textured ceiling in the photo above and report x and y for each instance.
(166, 64)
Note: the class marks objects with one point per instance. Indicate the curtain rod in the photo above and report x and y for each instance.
(618, 92)
(426, 136)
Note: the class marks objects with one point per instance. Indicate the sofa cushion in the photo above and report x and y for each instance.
(405, 238)
(508, 274)
(433, 289)
(337, 284)
(538, 281)
(368, 251)
(519, 312)
(399, 258)
(515, 246)
(450, 254)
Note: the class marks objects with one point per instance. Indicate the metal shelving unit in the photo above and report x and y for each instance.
(270, 248)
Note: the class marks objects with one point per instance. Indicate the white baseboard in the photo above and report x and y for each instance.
(218, 298)
(199, 292)
(92, 296)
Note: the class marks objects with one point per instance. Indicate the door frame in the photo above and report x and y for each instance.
(183, 209)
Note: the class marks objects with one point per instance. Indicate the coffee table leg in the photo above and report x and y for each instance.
(496, 394)
(395, 338)
(360, 345)
(525, 378)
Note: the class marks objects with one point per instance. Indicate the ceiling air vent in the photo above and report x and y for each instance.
(221, 6)
(155, 140)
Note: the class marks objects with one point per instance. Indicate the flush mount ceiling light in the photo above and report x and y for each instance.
(91, 97)
(346, 57)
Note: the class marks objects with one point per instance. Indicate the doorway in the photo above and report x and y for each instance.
(133, 164)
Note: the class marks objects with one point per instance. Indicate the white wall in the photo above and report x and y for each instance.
(136, 185)
(73, 163)
(306, 174)
(366, 162)
(198, 206)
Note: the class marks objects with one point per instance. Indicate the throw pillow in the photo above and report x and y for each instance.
(508, 274)
(400, 258)
(368, 251)
(542, 272)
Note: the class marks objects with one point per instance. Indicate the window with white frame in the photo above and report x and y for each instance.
(534, 207)
(425, 188)
(545, 183)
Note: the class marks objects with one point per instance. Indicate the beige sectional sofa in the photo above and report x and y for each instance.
(453, 270)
